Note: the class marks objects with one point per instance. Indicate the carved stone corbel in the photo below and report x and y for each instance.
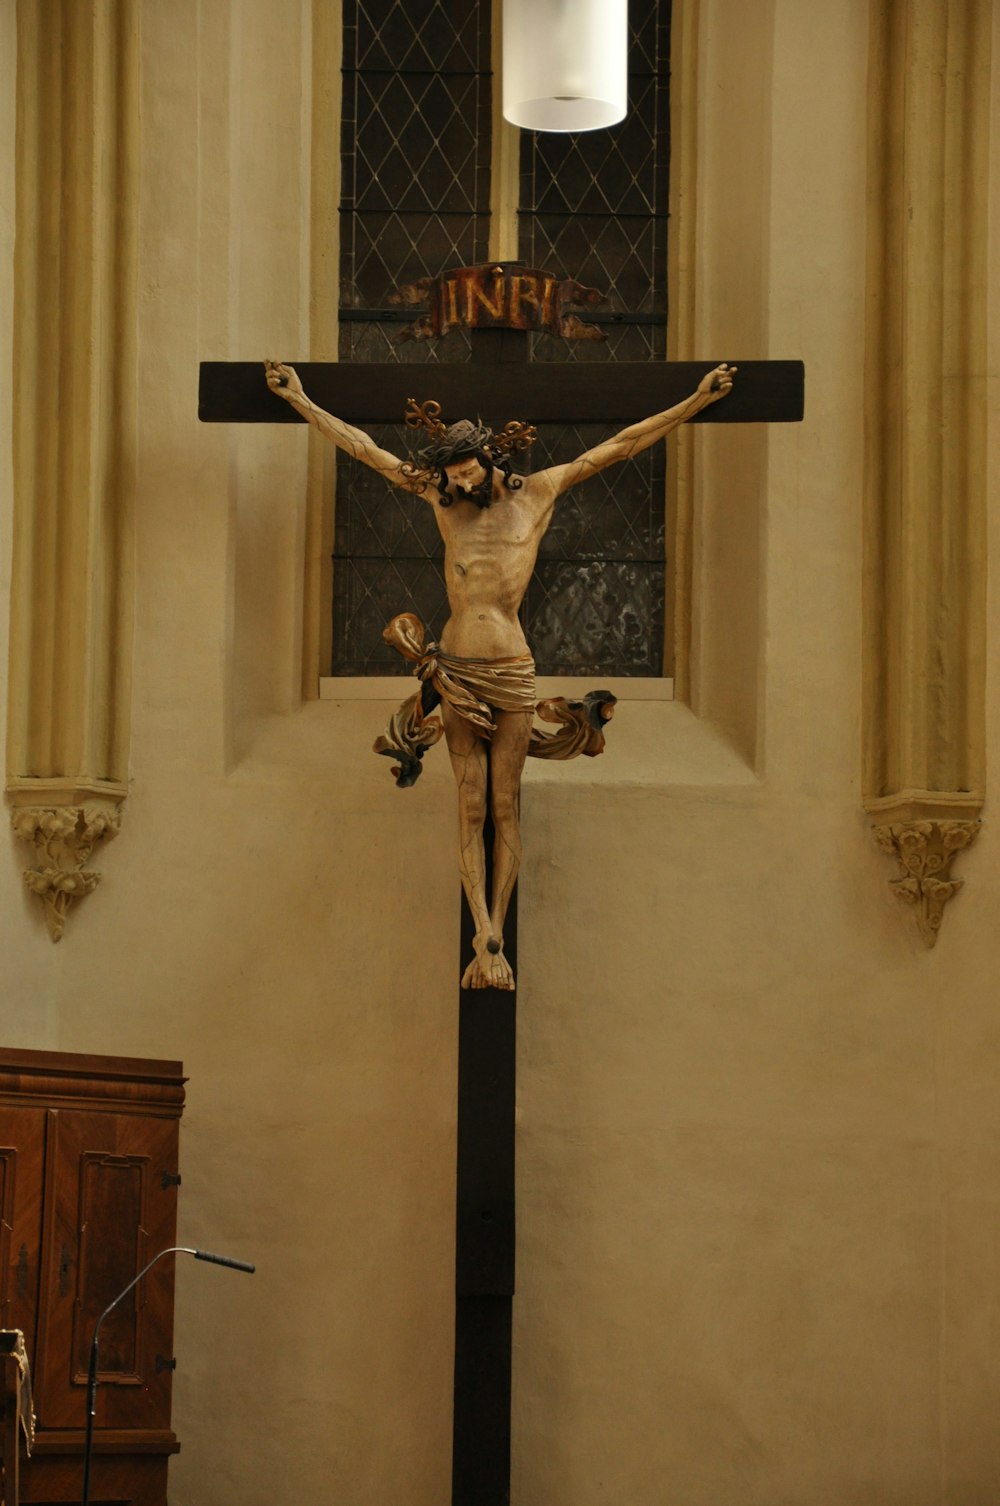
(64, 837)
(925, 851)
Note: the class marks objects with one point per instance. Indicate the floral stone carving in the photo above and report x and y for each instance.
(64, 837)
(925, 851)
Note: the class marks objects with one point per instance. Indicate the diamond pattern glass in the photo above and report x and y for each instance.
(593, 206)
(594, 203)
(611, 516)
(437, 36)
(417, 141)
(596, 618)
(389, 249)
(415, 144)
(367, 593)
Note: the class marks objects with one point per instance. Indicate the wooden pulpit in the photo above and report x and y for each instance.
(88, 1190)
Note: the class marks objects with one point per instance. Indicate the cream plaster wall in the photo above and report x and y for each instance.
(759, 1124)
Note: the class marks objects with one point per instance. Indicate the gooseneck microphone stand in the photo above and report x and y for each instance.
(88, 1446)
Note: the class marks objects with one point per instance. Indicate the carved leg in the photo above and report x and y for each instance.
(489, 968)
(508, 751)
(468, 761)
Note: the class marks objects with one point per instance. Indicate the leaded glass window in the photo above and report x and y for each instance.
(415, 144)
(594, 206)
(416, 157)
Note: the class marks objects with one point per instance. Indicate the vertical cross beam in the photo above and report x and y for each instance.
(484, 1230)
(485, 1200)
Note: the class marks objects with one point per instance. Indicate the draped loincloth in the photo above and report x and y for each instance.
(476, 689)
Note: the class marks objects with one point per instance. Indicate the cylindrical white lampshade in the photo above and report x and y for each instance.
(565, 63)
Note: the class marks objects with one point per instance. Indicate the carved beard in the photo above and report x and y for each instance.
(482, 494)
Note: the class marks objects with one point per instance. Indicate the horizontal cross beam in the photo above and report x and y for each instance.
(539, 391)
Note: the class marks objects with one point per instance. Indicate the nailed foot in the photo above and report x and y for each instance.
(489, 968)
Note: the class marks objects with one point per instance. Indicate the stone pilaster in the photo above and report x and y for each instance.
(74, 417)
(925, 433)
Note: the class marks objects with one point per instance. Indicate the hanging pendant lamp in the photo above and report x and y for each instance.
(565, 63)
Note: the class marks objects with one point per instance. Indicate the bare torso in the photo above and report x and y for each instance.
(489, 554)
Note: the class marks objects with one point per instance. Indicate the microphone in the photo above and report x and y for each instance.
(88, 1447)
(235, 1265)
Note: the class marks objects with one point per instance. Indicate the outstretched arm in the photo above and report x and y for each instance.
(284, 381)
(638, 437)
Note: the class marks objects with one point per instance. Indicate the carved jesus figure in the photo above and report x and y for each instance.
(491, 522)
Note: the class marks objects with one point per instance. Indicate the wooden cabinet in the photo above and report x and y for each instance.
(88, 1194)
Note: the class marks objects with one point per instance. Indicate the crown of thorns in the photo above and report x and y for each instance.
(457, 441)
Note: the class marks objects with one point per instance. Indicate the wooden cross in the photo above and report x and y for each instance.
(497, 385)
(542, 392)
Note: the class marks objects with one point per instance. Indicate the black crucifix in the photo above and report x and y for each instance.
(500, 304)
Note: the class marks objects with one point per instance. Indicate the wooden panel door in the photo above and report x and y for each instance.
(22, 1153)
(111, 1205)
